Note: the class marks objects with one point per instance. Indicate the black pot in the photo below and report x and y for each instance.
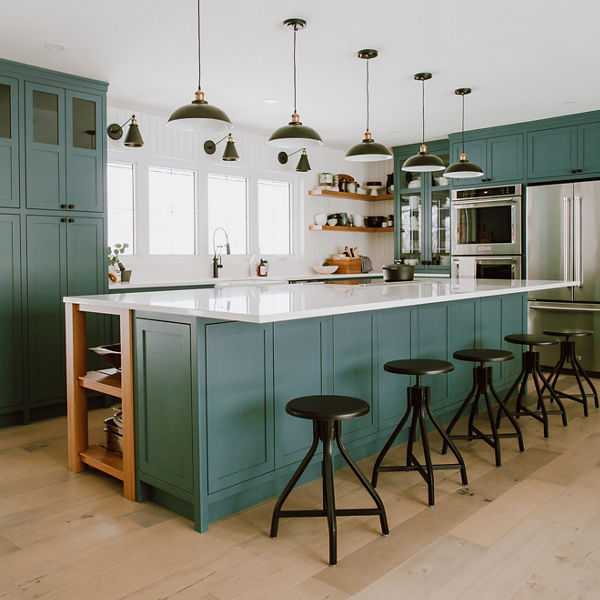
(398, 272)
(374, 221)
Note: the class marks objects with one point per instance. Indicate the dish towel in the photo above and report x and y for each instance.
(365, 264)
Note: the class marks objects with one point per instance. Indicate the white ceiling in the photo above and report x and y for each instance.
(524, 59)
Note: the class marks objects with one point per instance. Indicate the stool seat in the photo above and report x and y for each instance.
(327, 407)
(566, 332)
(483, 355)
(419, 366)
(530, 339)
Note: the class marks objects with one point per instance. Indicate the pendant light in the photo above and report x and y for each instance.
(303, 165)
(230, 153)
(463, 169)
(423, 162)
(368, 150)
(294, 135)
(200, 115)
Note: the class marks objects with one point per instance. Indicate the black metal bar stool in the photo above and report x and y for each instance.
(567, 355)
(482, 381)
(531, 366)
(418, 403)
(327, 412)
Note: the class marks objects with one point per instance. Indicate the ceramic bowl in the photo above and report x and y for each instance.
(325, 270)
(320, 219)
(331, 222)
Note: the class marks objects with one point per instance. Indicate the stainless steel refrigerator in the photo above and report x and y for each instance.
(563, 229)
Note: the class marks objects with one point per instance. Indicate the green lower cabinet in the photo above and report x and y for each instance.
(491, 331)
(514, 320)
(11, 359)
(462, 333)
(302, 366)
(353, 345)
(166, 421)
(239, 402)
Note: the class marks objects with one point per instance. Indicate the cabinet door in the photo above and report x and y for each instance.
(84, 151)
(504, 158)
(552, 152)
(10, 312)
(9, 142)
(476, 151)
(302, 363)
(45, 146)
(589, 147)
(432, 342)
(46, 287)
(239, 402)
(462, 320)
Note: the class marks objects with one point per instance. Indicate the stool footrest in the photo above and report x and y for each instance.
(418, 467)
(338, 512)
(579, 399)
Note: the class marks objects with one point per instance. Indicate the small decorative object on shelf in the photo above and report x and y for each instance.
(114, 254)
(263, 268)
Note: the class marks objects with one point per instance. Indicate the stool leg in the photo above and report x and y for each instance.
(292, 482)
(472, 415)
(513, 421)
(554, 395)
(493, 427)
(541, 402)
(327, 438)
(583, 393)
(412, 432)
(425, 442)
(589, 382)
(359, 474)
(513, 387)
(459, 413)
(388, 444)
(450, 443)
(553, 378)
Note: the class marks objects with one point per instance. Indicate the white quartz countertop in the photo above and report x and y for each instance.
(282, 302)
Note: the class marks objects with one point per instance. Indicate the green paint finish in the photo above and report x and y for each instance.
(505, 158)
(11, 359)
(164, 402)
(589, 148)
(552, 152)
(462, 331)
(302, 362)
(353, 343)
(433, 343)
(491, 331)
(514, 320)
(9, 143)
(239, 402)
(393, 335)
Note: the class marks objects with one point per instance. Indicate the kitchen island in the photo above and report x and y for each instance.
(209, 372)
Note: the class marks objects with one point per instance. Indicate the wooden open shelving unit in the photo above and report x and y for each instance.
(350, 196)
(355, 229)
(107, 381)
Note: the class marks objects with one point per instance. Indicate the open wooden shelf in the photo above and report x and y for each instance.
(104, 460)
(356, 229)
(350, 196)
(107, 381)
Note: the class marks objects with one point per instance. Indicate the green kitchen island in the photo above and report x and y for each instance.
(212, 370)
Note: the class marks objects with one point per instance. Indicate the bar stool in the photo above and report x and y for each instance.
(567, 355)
(482, 381)
(418, 403)
(327, 412)
(531, 366)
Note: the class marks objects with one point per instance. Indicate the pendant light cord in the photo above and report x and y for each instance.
(463, 123)
(368, 102)
(295, 30)
(423, 106)
(199, 64)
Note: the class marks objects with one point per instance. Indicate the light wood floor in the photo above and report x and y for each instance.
(530, 529)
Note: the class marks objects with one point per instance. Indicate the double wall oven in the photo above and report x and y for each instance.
(486, 232)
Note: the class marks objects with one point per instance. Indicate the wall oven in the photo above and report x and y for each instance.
(486, 221)
(486, 267)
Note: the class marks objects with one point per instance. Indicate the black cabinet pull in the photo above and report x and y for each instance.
(63, 220)
(573, 170)
(71, 206)
(63, 206)
(71, 220)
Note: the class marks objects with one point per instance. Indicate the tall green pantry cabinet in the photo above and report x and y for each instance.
(52, 228)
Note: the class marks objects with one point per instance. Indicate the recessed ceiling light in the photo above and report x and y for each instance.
(271, 101)
(55, 47)
(568, 102)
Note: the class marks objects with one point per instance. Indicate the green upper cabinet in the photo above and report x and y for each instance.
(9, 142)
(588, 154)
(552, 152)
(500, 157)
(45, 146)
(84, 156)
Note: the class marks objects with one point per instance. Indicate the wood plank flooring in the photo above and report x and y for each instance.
(527, 530)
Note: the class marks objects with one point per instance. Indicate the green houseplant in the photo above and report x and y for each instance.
(114, 254)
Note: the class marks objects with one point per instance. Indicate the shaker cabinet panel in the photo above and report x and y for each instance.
(11, 359)
(589, 148)
(504, 158)
(9, 143)
(552, 152)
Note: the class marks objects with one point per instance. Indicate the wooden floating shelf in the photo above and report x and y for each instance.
(104, 460)
(350, 196)
(106, 382)
(355, 229)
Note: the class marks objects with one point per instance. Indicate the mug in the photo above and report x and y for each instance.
(358, 220)
(352, 187)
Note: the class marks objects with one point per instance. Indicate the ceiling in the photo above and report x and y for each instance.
(524, 59)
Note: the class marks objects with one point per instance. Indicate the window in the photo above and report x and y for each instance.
(171, 211)
(274, 217)
(228, 208)
(120, 204)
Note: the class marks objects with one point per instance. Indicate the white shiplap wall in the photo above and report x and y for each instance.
(177, 148)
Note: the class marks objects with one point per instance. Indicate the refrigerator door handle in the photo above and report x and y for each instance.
(589, 308)
(567, 240)
(577, 241)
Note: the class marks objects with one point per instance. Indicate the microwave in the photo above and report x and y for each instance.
(486, 267)
(486, 221)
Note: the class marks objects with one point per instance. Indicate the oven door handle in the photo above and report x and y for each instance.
(484, 201)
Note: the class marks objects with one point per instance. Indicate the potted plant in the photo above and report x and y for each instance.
(114, 254)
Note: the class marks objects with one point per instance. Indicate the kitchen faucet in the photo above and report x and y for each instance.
(217, 250)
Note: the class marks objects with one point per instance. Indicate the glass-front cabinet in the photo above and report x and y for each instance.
(422, 202)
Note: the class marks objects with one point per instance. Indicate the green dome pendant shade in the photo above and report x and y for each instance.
(463, 169)
(368, 150)
(200, 115)
(294, 135)
(423, 162)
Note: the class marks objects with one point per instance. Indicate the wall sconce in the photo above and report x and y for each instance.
(133, 139)
(303, 165)
(230, 153)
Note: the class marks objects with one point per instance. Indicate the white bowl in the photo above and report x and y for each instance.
(331, 222)
(324, 270)
(442, 180)
(411, 261)
(320, 219)
(415, 183)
